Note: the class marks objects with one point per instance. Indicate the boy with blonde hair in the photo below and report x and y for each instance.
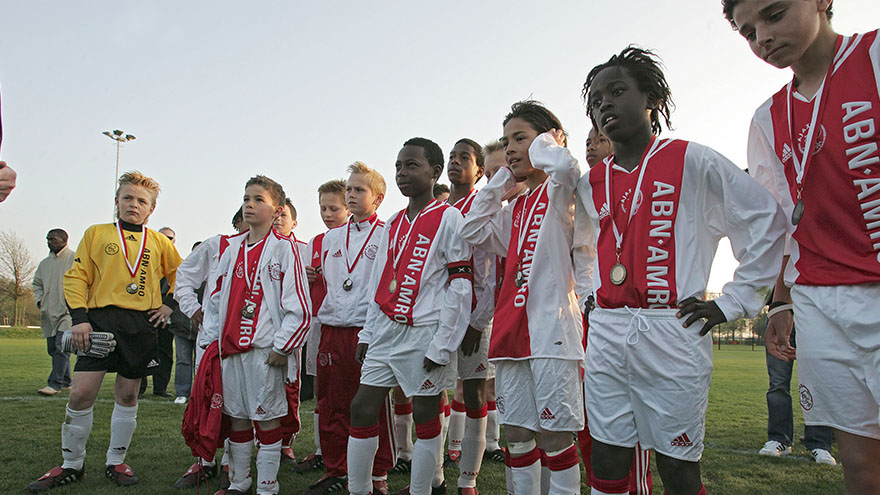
(347, 256)
(115, 299)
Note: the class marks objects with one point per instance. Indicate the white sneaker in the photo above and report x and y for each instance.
(180, 400)
(822, 456)
(775, 449)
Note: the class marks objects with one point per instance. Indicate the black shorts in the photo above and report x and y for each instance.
(136, 343)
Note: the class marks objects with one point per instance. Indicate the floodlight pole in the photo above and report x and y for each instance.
(120, 137)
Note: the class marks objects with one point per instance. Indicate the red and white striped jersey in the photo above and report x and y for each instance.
(690, 197)
(423, 292)
(540, 318)
(285, 310)
(351, 246)
(837, 242)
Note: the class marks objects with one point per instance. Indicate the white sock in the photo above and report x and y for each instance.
(403, 434)
(526, 478)
(493, 430)
(545, 480)
(427, 453)
(268, 461)
(361, 452)
(596, 491)
(456, 426)
(224, 461)
(317, 435)
(472, 446)
(122, 425)
(74, 434)
(439, 475)
(240, 465)
(564, 472)
(508, 479)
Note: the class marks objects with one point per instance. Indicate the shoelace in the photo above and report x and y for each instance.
(641, 325)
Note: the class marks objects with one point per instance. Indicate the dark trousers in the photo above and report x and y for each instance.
(780, 421)
(60, 375)
(165, 356)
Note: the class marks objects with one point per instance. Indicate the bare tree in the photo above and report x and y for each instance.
(17, 266)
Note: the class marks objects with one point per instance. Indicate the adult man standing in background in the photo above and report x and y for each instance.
(54, 317)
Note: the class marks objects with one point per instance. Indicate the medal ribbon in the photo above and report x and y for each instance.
(247, 279)
(655, 147)
(375, 220)
(800, 166)
(396, 256)
(524, 226)
(132, 270)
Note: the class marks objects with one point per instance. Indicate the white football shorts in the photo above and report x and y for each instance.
(251, 388)
(539, 394)
(647, 381)
(838, 356)
(477, 365)
(396, 356)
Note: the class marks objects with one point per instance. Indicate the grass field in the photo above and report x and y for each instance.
(30, 433)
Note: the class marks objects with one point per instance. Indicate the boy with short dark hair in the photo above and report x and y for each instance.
(831, 193)
(263, 316)
(421, 283)
(113, 291)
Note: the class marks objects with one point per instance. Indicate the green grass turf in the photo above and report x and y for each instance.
(30, 433)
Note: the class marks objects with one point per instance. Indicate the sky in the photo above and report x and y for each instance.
(218, 91)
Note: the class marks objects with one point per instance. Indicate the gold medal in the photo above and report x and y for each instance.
(249, 310)
(392, 286)
(347, 285)
(618, 273)
(131, 288)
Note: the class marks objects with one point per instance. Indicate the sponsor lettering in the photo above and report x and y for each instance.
(519, 299)
(414, 266)
(246, 325)
(657, 262)
(859, 133)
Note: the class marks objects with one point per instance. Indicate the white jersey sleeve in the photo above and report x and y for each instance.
(484, 290)
(733, 204)
(455, 310)
(488, 225)
(295, 303)
(373, 311)
(192, 272)
(583, 248)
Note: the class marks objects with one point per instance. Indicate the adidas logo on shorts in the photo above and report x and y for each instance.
(427, 385)
(260, 410)
(545, 414)
(338, 253)
(480, 368)
(682, 441)
(153, 363)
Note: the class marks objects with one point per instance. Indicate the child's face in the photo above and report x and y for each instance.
(462, 168)
(135, 204)
(333, 210)
(284, 222)
(258, 208)
(617, 105)
(518, 136)
(495, 161)
(361, 200)
(598, 147)
(414, 175)
(779, 32)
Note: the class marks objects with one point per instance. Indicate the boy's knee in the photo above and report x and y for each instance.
(552, 441)
(474, 392)
(610, 462)
(425, 408)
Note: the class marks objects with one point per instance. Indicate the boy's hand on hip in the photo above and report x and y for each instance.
(430, 365)
(471, 342)
(360, 353)
(695, 309)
